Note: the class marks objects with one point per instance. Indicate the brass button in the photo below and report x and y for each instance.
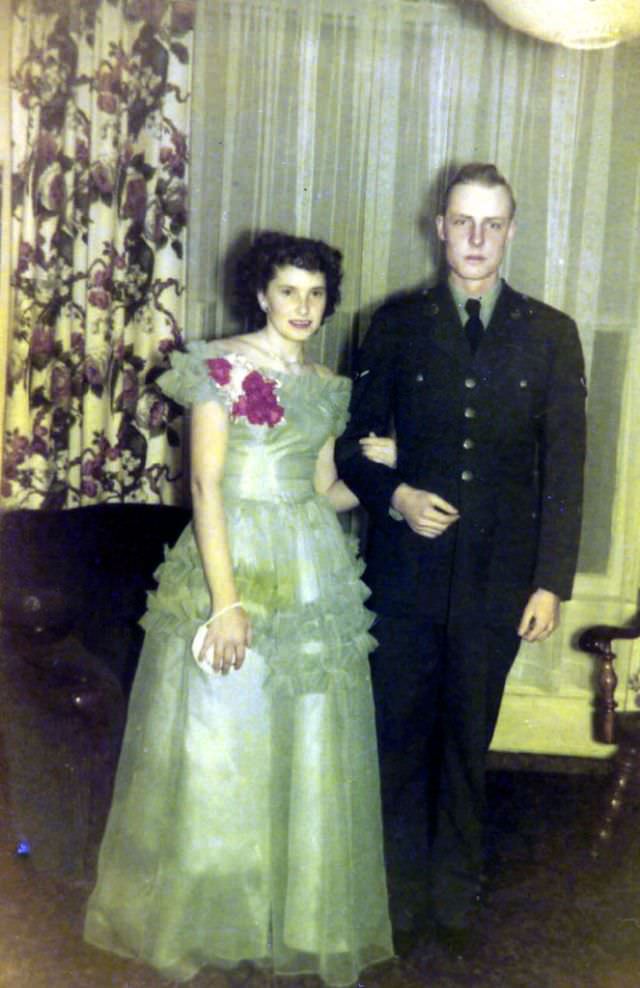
(467, 475)
(470, 382)
(470, 413)
(524, 383)
(468, 444)
(420, 378)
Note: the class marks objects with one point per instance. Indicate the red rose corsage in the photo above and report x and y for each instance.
(251, 395)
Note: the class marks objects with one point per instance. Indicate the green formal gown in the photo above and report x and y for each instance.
(245, 822)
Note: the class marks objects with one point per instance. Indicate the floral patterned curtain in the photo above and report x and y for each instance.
(100, 94)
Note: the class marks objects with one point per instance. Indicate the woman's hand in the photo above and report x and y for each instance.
(228, 637)
(380, 449)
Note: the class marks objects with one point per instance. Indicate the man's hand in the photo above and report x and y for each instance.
(541, 616)
(426, 514)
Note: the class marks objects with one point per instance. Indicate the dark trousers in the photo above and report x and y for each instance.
(437, 691)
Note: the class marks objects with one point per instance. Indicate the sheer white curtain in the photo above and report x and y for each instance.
(339, 120)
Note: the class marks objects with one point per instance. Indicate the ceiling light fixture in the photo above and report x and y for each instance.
(572, 23)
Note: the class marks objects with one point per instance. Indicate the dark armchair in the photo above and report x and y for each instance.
(73, 586)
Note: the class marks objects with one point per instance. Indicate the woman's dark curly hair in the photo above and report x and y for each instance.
(271, 250)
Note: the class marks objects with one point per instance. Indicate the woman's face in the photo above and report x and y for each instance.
(294, 303)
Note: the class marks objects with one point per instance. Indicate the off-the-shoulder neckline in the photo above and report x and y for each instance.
(219, 350)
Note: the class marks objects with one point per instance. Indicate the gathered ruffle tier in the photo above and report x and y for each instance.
(281, 553)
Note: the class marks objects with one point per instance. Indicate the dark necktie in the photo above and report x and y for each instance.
(473, 327)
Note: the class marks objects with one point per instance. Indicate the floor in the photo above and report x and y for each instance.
(553, 919)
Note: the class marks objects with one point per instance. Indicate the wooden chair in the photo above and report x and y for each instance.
(622, 729)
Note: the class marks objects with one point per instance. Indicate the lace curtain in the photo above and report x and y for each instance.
(100, 121)
(340, 119)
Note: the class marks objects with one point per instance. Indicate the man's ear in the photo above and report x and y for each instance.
(511, 232)
(440, 226)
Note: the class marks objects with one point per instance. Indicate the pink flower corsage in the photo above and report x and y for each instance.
(220, 370)
(251, 395)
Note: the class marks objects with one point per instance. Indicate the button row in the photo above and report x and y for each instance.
(469, 413)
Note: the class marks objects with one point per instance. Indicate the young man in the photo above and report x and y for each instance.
(474, 536)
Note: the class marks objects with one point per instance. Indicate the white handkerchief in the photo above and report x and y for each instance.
(206, 664)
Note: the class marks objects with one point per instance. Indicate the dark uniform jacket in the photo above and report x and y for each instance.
(501, 436)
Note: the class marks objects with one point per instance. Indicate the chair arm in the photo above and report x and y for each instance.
(597, 641)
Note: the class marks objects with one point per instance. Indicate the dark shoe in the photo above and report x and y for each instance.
(409, 931)
(406, 942)
(411, 922)
(460, 942)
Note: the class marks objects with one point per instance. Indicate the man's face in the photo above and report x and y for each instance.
(475, 230)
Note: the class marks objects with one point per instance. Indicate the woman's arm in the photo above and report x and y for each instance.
(326, 480)
(376, 448)
(230, 634)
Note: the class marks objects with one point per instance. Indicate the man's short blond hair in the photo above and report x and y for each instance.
(479, 173)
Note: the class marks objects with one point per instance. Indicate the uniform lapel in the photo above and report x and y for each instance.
(509, 321)
(508, 325)
(443, 323)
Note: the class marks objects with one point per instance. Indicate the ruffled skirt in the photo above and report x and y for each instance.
(245, 822)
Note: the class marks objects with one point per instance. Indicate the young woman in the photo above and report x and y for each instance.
(245, 822)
